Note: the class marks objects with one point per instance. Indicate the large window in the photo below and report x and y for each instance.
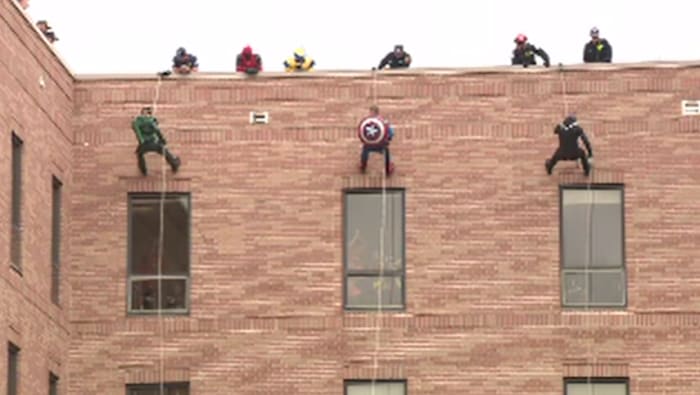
(593, 247)
(56, 240)
(16, 221)
(12, 369)
(596, 386)
(381, 387)
(146, 286)
(154, 389)
(369, 215)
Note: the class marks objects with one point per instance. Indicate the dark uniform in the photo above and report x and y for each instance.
(396, 59)
(598, 50)
(524, 53)
(569, 133)
(150, 139)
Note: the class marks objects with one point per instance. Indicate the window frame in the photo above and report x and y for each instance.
(623, 267)
(381, 381)
(56, 233)
(156, 386)
(16, 202)
(346, 272)
(53, 383)
(13, 373)
(596, 380)
(130, 279)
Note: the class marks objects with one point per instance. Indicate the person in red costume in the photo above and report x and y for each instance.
(248, 62)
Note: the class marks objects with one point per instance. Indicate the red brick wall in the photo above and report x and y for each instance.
(482, 219)
(41, 116)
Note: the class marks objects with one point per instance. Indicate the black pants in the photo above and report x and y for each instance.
(160, 148)
(559, 154)
(366, 149)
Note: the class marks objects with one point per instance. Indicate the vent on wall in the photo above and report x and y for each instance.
(690, 107)
(259, 117)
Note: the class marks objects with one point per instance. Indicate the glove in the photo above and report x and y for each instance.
(590, 160)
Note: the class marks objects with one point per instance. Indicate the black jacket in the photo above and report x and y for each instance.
(568, 139)
(395, 62)
(526, 56)
(597, 53)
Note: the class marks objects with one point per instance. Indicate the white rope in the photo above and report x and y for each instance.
(161, 225)
(590, 356)
(378, 318)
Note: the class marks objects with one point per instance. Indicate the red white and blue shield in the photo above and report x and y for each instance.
(373, 131)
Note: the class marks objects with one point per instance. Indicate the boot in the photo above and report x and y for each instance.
(390, 169)
(363, 166)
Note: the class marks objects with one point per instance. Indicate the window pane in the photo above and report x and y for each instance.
(608, 287)
(53, 384)
(363, 225)
(362, 291)
(144, 237)
(12, 369)
(600, 224)
(16, 222)
(381, 388)
(56, 240)
(574, 288)
(596, 389)
(144, 294)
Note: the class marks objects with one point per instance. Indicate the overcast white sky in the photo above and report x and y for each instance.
(141, 36)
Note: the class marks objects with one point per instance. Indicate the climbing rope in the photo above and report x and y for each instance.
(161, 225)
(590, 196)
(378, 318)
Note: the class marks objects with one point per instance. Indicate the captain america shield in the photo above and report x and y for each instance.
(373, 131)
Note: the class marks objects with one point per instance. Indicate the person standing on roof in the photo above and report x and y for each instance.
(396, 59)
(598, 50)
(569, 133)
(524, 53)
(299, 62)
(248, 62)
(184, 63)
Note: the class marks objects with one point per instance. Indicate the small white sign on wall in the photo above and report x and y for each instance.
(259, 117)
(690, 107)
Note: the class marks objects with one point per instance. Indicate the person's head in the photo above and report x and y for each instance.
(181, 52)
(43, 26)
(24, 4)
(570, 120)
(300, 55)
(247, 51)
(595, 34)
(520, 40)
(147, 111)
(398, 50)
(374, 110)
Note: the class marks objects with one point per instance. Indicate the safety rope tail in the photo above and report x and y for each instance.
(161, 226)
(380, 283)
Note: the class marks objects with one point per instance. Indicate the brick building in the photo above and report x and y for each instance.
(493, 283)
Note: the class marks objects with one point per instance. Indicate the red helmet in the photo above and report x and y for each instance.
(521, 38)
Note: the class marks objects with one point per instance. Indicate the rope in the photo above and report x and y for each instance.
(161, 225)
(378, 318)
(590, 194)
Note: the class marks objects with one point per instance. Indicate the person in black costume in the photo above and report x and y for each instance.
(569, 133)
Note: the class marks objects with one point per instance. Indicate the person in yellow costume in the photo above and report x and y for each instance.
(299, 62)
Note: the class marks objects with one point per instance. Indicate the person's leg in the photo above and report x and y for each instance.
(388, 166)
(173, 160)
(364, 157)
(551, 162)
(584, 162)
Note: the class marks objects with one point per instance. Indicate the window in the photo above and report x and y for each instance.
(381, 387)
(146, 287)
(16, 225)
(154, 389)
(53, 384)
(366, 279)
(12, 369)
(56, 240)
(596, 386)
(592, 246)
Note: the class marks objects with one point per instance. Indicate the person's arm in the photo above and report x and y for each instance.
(259, 60)
(239, 63)
(137, 130)
(156, 128)
(408, 60)
(607, 51)
(543, 54)
(587, 58)
(587, 143)
(385, 61)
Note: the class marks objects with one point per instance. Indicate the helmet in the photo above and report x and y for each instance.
(594, 32)
(521, 38)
